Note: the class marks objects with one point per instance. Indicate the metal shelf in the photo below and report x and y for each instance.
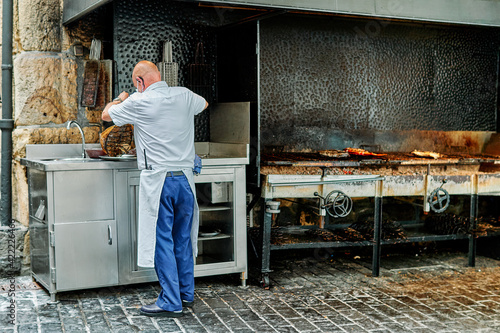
(213, 208)
(219, 236)
(324, 244)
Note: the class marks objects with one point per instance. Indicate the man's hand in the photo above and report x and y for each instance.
(105, 114)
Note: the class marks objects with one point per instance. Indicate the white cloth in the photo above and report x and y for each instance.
(150, 188)
(163, 119)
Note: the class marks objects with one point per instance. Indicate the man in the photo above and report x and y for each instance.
(163, 119)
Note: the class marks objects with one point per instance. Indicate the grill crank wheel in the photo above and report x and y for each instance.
(337, 204)
(439, 199)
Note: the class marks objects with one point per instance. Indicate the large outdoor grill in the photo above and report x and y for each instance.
(334, 183)
(327, 85)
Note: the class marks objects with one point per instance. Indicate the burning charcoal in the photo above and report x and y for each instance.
(323, 235)
(352, 235)
(390, 229)
(449, 224)
(485, 226)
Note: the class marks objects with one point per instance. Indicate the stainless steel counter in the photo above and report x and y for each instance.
(60, 157)
(83, 217)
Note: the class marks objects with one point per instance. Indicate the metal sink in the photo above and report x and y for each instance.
(67, 157)
(71, 159)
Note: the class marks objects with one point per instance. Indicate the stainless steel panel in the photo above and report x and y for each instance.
(488, 184)
(86, 255)
(38, 151)
(74, 9)
(83, 196)
(37, 189)
(38, 227)
(474, 12)
(230, 123)
(39, 250)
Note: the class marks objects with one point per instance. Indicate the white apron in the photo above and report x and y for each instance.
(150, 187)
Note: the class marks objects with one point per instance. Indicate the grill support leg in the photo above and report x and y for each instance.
(266, 248)
(376, 237)
(472, 237)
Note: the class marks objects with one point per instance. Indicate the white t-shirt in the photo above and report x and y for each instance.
(163, 119)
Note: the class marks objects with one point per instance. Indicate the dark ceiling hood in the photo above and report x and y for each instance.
(470, 12)
(74, 9)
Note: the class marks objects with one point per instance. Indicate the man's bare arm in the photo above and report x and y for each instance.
(105, 113)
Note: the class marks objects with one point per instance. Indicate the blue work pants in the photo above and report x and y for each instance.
(173, 254)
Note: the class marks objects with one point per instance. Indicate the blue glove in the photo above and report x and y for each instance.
(197, 164)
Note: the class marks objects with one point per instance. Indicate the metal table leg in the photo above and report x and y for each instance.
(376, 237)
(473, 237)
(266, 249)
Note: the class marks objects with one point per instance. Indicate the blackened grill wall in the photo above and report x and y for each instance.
(141, 27)
(326, 81)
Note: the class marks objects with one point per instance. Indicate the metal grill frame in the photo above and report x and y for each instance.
(275, 186)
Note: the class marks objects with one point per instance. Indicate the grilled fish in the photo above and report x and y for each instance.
(362, 152)
(427, 154)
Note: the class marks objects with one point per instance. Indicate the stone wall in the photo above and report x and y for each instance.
(47, 81)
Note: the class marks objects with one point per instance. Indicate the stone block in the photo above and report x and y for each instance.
(93, 116)
(49, 135)
(45, 88)
(39, 25)
(11, 249)
(20, 202)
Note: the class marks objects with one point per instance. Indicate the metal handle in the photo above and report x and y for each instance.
(110, 237)
(167, 51)
(199, 57)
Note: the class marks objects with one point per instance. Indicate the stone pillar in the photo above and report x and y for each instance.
(45, 92)
(40, 25)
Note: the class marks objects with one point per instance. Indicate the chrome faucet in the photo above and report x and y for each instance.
(72, 122)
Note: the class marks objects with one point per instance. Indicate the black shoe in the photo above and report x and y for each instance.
(187, 304)
(154, 310)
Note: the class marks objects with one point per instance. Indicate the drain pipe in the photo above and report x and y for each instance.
(6, 123)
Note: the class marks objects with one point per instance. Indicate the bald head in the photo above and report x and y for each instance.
(147, 72)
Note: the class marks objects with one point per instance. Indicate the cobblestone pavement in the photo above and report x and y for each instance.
(425, 293)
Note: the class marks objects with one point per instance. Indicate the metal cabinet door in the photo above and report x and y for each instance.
(85, 255)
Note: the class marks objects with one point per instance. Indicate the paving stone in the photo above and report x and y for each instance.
(114, 310)
(302, 325)
(28, 327)
(248, 315)
(100, 327)
(353, 328)
(50, 327)
(195, 329)
(142, 323)
(235, 322)
(340, 320)
(26, 316)
(287, 329)
(168, 325)
(74, 328)
(73, 321)
(260, 326)
(130, 300)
